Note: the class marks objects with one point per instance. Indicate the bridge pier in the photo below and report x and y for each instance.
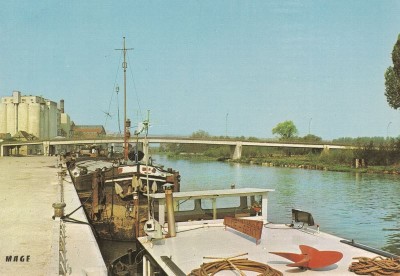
(237, 151)
(325, 150)
(46, 148)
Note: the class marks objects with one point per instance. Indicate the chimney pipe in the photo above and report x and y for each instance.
(62, 106)
(170, 210)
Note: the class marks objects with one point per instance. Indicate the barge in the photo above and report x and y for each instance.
(240, 240)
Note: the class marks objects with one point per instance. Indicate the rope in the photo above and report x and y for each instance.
(375, 266)
(82, 205)
(212, 268)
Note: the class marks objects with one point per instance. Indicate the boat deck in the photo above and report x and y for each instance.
(194, 241)
(198, 239)
(29, 236)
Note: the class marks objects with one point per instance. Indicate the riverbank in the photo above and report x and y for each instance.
(282, 162)
(310, 162)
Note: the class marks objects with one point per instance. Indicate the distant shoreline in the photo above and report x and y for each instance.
(293, 162)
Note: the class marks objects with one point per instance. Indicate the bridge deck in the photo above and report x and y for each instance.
(234, 144)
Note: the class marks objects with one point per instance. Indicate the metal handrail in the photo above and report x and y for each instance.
(64, 268)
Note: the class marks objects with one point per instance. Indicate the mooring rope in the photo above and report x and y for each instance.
(375, 266)
(231, 263)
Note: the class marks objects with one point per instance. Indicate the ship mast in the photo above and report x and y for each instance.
(127, 122)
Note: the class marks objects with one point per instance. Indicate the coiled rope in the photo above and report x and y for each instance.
(231, 263)
(375, 266)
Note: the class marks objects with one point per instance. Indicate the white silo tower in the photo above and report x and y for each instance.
(3, 118)
(23, 117)
(34, 119)
(53, 119)
(11, 126)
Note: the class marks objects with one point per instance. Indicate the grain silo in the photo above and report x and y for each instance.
(3, 118)
(11, 122)
(23, 117)
(33, 114)
(34, 119)
(43, 121)
(52, 119)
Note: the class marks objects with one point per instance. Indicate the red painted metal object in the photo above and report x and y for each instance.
(311, 258)
(252, 228)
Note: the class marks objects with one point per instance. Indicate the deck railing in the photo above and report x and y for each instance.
(64, 268)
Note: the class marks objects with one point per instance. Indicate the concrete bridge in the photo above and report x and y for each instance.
(236, 146)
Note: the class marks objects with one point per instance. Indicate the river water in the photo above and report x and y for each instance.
(363, 207)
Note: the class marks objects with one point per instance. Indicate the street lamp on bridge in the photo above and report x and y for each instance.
(226, 124)
(387, 130)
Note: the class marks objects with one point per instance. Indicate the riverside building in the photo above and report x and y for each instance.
(35, 115)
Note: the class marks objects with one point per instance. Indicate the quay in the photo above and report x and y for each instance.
(32, 241)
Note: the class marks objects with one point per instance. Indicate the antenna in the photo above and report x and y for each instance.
(126, 123)
(119, 120)
(146, 123)
(107, 114)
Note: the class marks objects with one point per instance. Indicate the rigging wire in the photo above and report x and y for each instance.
(112, 96)
(135, 89)
(119, 120)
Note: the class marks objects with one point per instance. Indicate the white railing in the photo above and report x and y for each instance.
(64, 268)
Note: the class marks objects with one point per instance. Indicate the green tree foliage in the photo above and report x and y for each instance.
(312, 138)
(286, 130)
(187, 148)
(382, 154)
(392, 78)
(396, 57)
(196, 148)
(200, 134)
(359, 141)
(336, 157)
(392, 88)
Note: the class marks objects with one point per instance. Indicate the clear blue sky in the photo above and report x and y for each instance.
(320, 64)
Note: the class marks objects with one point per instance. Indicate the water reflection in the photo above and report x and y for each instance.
(364, 207)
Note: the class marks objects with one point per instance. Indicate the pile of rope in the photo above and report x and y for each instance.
(375, 266)
(232, 263)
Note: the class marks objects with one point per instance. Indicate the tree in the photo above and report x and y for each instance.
(312, 138)
(392, 78)
(396, 57)
(286, 130)
(197, 148)
(392, 88)
(200, 134)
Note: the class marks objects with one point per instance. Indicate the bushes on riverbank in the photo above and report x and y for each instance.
(377, 157)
